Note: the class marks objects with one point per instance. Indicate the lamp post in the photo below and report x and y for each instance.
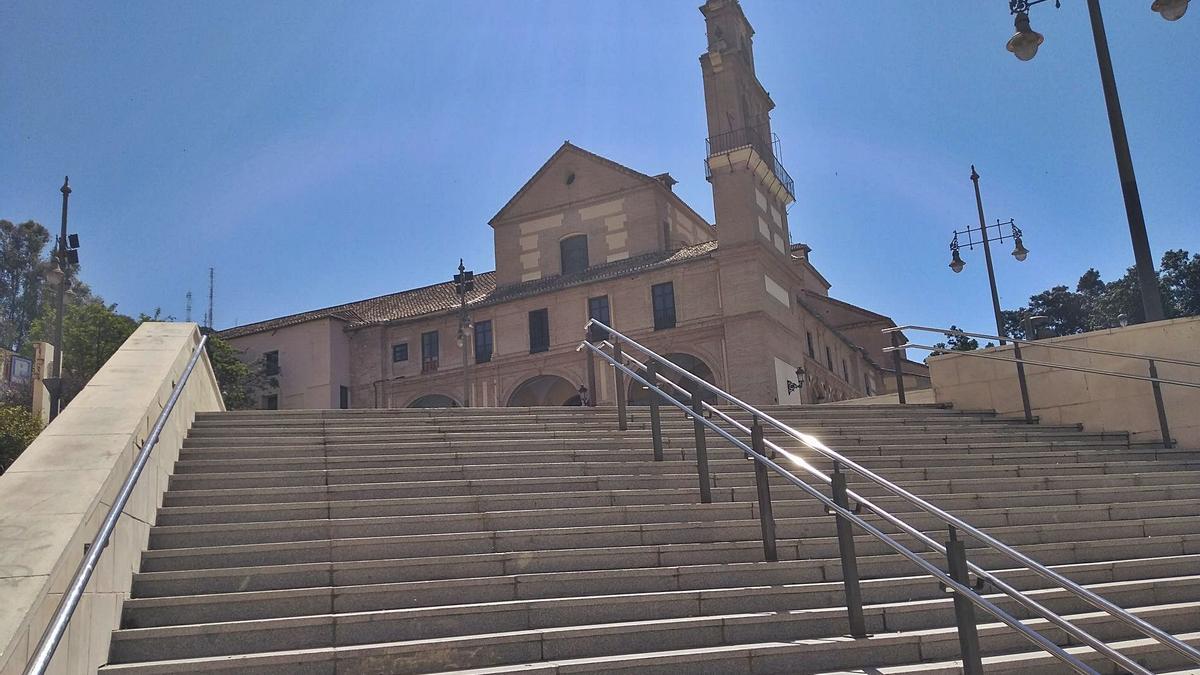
(1024, 44)
(985, 238)
(64, 252)
(464, 282)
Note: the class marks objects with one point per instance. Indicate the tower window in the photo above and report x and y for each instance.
(400, 352)
(663, 299)
(574, 253)
(812, 351)
(429, 351)
(845, 371)
(271, 364)
(828, 358)
(539, 331)
(598, 310)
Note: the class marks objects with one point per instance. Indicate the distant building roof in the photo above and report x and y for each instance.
(441, 297)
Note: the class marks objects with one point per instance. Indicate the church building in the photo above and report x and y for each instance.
(736, 301)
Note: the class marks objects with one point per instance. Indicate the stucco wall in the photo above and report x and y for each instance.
(54, 497)
(1100, 403)
(313, 361)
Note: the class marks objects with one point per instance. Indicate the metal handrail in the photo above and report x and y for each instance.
(865, 503)
(1038, 343)
(1091, 598)
(1049, 364)
(57, 627)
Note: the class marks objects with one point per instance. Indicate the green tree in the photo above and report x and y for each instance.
(18, 428)
(92, 332)
(959, 343)
(22, 271)
(240, 382)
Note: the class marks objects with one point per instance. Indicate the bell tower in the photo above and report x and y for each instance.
(751, 189)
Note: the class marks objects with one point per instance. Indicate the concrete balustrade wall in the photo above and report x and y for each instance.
(55, 496)
(1098, 402)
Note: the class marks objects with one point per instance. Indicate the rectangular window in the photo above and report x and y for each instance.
(574, 254)
(867, 382)
(828, 358)
(344, 397)
(845, 371)
(400, 352)
(271, 360)
(483, 341)
(539, 331)
(271, 402)
(812, 351)
(598, 310)
(429, 351)
(663, 299)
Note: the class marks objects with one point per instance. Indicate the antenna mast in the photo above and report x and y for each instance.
(189, 307)
(208, 319)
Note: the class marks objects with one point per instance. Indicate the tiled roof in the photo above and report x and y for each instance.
(442, 298)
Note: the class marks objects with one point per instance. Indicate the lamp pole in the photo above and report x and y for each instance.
(61, 254)
(987, 256)
(464, 282)
(1024, 45)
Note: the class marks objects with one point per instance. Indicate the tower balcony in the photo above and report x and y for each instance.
(759, 148)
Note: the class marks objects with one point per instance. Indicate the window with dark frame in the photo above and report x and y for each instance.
(483, 341)
(812, 351)
(399, 352)
(272, 362)
(539, 331)
(574, 253)
(429, 351)
(828, 358)
(598, 310)
(845, 371)
(662, 297)
(344, 397)
(271, 402)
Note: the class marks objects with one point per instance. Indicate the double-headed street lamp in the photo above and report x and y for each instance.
(985, 237)
(1024, 45)
(464, 282)
(66, 252)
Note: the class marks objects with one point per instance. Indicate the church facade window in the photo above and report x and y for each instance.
(574, 253)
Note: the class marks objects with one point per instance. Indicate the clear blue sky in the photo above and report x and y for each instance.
(318, 152)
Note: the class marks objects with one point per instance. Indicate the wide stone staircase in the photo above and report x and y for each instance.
(544, 540)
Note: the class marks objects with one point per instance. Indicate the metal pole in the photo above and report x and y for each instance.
(845, 535)
(964, 609)
(622, 421)
(896, 361)
(655, 419)
(766, 519)
(1158, 405)
(1021, 382)
(60, 306)
(987, 256)
(591, 377)
(1147, 278)
(701, 447)
(466, 352)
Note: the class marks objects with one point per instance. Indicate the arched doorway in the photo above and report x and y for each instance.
(639, 395)
(544, 390)
(434, 401)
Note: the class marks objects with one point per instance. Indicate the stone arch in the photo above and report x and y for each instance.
(544, 390)
(433, 401)
(638, 395)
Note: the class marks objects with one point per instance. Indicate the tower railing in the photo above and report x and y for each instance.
(649, 370)
(761, 140)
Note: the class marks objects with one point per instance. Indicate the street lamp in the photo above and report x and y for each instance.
(986, 237)
(1024, 45)
(66, 251)
(464, 282)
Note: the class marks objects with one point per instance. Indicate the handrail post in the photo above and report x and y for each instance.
(896, 362)
(766, 518)
(655, 418)
(701, 446)
(964, 609)
(622, 421)
(591, 378)
(845, 535)
(1158, 405)
(1021, 382)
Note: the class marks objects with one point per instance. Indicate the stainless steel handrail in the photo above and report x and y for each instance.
(57, 627)
(914, 557)
(1050, 364)
(1091, 598)
(1037, 343)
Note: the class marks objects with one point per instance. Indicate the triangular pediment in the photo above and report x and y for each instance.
(571, 175)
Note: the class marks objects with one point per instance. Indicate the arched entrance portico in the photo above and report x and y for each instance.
(434, 401)
(638, 395)
(544, 390)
